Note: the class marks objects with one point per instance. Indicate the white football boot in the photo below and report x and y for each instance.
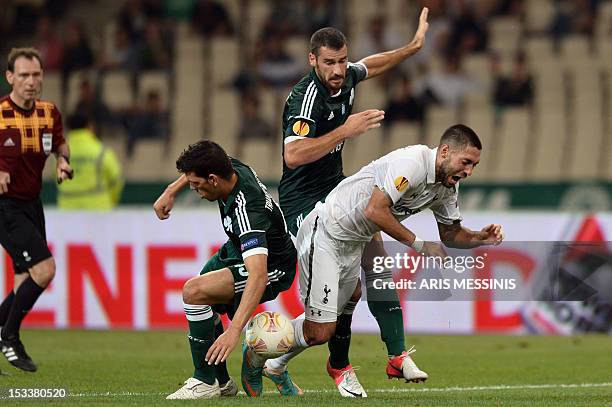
(346, 381)
(196, 389)
(403, 367)
(229, 389)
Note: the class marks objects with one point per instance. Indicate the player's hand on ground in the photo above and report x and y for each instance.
(63, 170)
(492, 234)
(433, 249)
(419, 36)
(223, 347)
(164, 205)
(361, 122)
(5, 180)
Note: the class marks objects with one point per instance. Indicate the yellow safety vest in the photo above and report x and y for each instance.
(97, 182)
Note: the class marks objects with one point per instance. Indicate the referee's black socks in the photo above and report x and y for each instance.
(23, 301)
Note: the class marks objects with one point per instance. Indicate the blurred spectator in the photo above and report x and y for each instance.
(210, 18)
(321, 13)
(154, 51)
(122, 53)
(515, 89)
(573, 17)
(77, 52)
(437, 34)
(90, 104)
(49, 44)
(252, 125)
(448, 87)
(513, 8)
(377, 38)
(149, 121)
(178, 10)
(134, 15)
(97, 183)
(468, 32)
(404, 106)
(282, 20)
(277, 68)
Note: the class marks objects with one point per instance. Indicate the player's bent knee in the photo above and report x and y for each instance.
(318, 333)
(191, 292)
(44, 272)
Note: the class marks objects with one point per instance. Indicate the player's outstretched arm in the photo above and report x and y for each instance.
(379, 212)
(257, 267)
(378, 64)
(163, 205)
(308, 150)
(460, 237)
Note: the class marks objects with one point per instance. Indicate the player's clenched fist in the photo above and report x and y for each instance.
(5, 179)
(361, 122)
(164, 205)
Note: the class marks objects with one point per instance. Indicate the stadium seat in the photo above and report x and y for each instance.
(438, 120)
(539, 48)
(52, 90)
(72, 90)
(539, 14)
(505, 34)
(261, 156)
(482, 121)
(187, 104)
(587, 137)
(117, 89)
(402, 134)
(550, 137)
(225, 119)
(362, 150)
(148, 161)
(514, 144)
(225, 60)
(576, 50)
(154, 81)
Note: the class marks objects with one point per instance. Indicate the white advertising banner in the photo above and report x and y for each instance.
(125, 269)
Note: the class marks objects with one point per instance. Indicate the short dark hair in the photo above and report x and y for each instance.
(80, 119)
(29, 53)
(205, 157)
(329, 37)
(460, 136)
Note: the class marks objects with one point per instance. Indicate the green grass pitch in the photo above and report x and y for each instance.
(140, 368)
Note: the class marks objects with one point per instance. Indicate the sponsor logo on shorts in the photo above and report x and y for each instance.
(401, 183)
(301, 128)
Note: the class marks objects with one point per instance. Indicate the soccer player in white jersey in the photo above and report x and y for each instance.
(333, 236)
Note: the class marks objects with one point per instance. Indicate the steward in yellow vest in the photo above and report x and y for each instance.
(97, 182)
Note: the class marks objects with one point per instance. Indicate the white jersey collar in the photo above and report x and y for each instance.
(431, 165)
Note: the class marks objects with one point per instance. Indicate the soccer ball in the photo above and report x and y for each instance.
(270, 334)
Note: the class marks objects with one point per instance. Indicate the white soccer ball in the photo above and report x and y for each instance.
(270, 334)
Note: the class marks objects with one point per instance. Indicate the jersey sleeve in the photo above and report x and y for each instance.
(252, 220)
(396, 176)
(304, 113)
(446, 211)
(58, 130)
(359, 70)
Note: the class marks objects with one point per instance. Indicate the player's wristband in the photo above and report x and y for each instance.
(418, 244)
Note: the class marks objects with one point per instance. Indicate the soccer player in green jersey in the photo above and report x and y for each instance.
(317, 120)
(253, 266)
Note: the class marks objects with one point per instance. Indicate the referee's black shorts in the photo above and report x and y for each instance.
(22, 232)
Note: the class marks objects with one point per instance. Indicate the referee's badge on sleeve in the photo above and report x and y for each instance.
(401, 183)
(301, 128)
(47, 142)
